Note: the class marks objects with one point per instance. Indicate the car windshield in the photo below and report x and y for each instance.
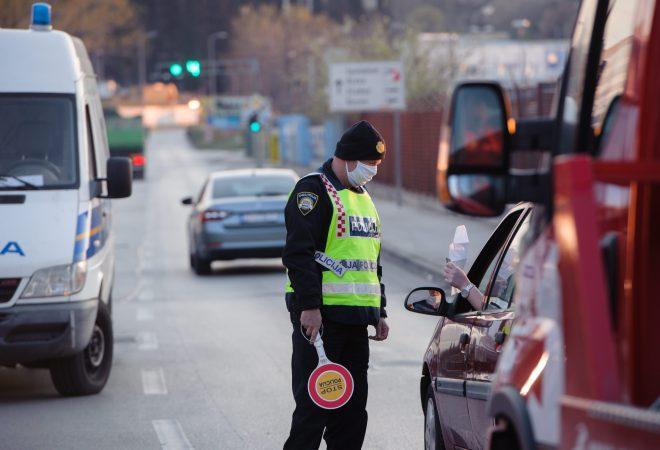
(252, 185)
(37, 142)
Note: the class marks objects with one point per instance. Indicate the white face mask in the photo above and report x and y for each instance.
(361, 175)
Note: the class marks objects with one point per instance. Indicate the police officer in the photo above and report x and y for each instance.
(332, 256)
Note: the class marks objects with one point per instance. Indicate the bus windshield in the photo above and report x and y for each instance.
(37, 142)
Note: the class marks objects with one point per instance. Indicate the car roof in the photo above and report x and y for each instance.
(253, 172)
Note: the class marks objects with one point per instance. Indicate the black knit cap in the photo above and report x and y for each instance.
(361, 142)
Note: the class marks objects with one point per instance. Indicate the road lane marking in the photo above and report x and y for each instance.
(144, 314)
(147, 341)
(133, 294)
(171, 435)
(153, 382)
(146, 295)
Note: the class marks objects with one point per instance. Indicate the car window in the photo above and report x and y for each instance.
(482, 269)
(201, 192)
(493, 249)
(613, 67)
(91, 157)
(503, 284)
(574, 81)
(252, 185)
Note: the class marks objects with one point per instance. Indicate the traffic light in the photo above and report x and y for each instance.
(176, 70)
(255, 125)
(194, 67)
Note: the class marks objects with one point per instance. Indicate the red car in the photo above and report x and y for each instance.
(461, 357)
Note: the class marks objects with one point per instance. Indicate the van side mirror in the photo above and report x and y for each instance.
(187, 201)
(119, 180)
(474, 153)
(427, 300)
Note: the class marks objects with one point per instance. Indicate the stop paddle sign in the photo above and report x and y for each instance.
(330, 385)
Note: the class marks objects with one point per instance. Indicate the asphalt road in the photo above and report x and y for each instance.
(203, 362)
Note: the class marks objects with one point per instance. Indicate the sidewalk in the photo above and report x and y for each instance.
(419, 236)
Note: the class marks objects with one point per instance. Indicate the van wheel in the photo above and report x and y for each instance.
(432, 432)
(199, 265)
(87, 372)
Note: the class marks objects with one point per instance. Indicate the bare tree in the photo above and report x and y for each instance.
(289, 47)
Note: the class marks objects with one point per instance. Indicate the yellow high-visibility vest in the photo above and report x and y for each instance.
(351, 250)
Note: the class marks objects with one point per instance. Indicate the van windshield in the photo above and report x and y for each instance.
(37, 142)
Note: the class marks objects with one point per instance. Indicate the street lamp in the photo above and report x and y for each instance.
(521, 26)
(210, 48)
(142, 60)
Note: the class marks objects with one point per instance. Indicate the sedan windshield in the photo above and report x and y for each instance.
(37, 142)
(252, 185)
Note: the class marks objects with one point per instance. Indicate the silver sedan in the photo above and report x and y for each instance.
(238, 214)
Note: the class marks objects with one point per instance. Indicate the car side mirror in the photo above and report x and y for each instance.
(427, 300)
(119, 181)
(187, 201)
(474, 152)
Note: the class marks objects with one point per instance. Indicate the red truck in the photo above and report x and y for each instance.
(578, 368)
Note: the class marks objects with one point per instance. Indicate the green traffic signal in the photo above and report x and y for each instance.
(255, 127)
(176, 70)
(193, 67)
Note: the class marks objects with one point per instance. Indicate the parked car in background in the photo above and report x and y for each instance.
(460, 360)
(238, 214)
(126, 138)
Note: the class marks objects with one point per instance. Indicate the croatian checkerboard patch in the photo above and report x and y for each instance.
(306, 202)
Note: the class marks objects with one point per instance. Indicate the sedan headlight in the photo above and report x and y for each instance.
(57, 281)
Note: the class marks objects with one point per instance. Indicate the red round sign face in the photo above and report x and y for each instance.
(330, 386)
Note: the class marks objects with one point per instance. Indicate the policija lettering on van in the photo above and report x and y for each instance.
(11, 248)
(363, 227)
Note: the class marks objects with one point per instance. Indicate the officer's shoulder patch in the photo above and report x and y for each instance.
(306, 202)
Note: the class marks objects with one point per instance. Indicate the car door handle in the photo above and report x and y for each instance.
(463, 341)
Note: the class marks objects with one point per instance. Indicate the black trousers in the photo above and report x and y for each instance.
(344, 427)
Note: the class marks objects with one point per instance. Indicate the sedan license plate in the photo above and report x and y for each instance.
(256, 218)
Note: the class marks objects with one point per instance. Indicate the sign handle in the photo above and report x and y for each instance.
(318, 345)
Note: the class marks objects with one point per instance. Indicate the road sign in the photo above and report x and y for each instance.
(367, 86)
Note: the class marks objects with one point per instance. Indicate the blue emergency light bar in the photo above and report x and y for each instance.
(41, 16)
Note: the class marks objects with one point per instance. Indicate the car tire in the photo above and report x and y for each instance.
(87, 372)
(199, 265)
(433, 439)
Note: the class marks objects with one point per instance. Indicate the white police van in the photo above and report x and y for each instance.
(56, 179)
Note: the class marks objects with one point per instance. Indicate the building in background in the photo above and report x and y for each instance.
(515, 63)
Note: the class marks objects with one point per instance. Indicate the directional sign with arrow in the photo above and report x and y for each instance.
(367, 86)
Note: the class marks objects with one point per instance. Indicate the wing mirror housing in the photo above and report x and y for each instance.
(119, 180)
(431, 301)
(187, 201)
(479, 142)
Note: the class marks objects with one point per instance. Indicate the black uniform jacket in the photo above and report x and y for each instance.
(306, 234)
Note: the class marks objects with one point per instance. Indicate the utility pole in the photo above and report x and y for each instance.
(142, 61)
(210, 49)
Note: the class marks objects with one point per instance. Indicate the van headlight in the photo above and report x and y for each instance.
(57, 281)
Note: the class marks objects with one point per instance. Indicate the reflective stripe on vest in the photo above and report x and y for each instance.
(351, 251)
(351, 288)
